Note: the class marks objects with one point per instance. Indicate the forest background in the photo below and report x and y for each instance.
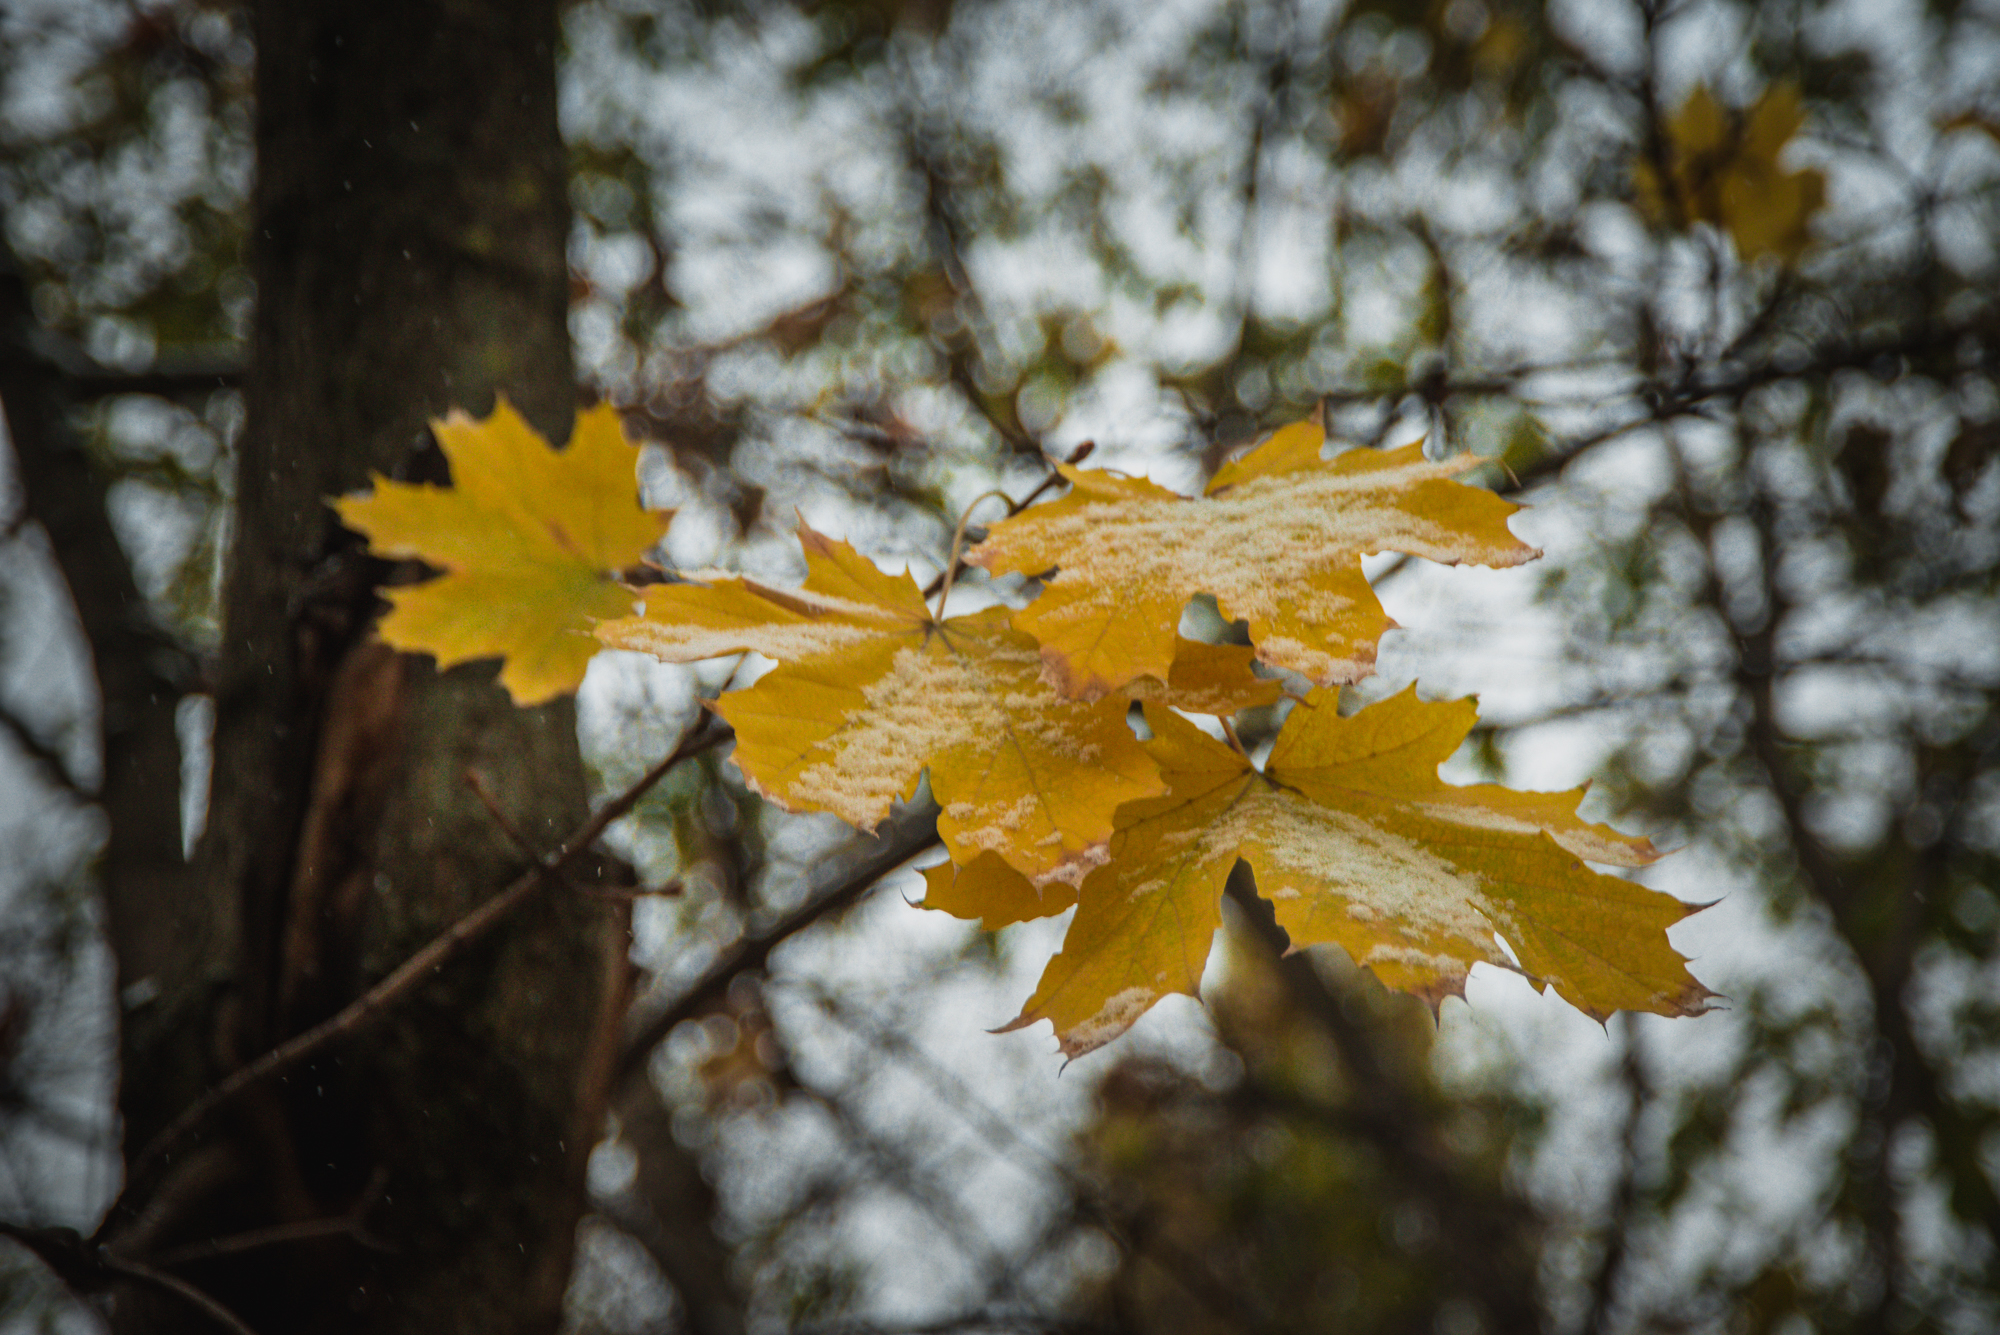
(1712, 284)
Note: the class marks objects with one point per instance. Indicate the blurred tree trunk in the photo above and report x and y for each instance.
(409, 232)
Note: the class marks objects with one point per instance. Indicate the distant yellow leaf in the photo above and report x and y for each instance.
(1724, 171)
(873, 691)
(530, 540)
(1357, 843)
(1277, 540)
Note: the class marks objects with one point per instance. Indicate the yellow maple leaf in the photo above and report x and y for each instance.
(1208, 679)
(1358, 843)
(1205, 679)
(1725, 172)
(1277, 539)
(990, 892)
(529, 539)
(873, 690)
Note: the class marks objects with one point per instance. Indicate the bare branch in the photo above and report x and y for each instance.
(181, 1289)
(350, 1224)
(374, 1004)
(88, 1268)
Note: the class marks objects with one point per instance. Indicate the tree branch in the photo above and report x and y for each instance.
(88, 1268)
(374, 1004)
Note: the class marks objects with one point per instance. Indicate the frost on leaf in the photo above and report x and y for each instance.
(1358, 843)
(529, 539)
(1277, 539)
(1209, 679)
(872, 691)
(1723, 170)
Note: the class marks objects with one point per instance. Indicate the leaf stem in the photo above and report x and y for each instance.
(1042, 488)
(951, 567)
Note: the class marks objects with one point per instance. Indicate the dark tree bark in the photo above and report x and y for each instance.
(408, 233)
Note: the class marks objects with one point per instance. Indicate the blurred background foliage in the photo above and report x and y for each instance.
(1712, 284)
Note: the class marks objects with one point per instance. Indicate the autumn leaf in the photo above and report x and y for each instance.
(1277, 539)
(1358, 843)
(873, 690)
(1725, 172)
(1205, 679)
(990, 892)
(529, 539)
(1208, 679)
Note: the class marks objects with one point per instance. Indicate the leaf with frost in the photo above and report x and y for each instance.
(1208, 679)
(530, 540)
(1358, 843)
(873, 690)
(1277, 539)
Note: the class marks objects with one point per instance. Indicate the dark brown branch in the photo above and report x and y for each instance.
(87, 1268)
(350, 1224)
(1666, 396)
(180, 1288)
(166, 380)
(477, 783)
(375, 1004)
(279, 1235)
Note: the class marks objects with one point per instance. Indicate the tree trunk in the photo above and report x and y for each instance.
(408, 233)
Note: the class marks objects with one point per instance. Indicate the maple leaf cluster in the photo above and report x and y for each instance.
(1020, 718)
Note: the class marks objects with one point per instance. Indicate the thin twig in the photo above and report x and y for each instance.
(181, 1289)
(374, 1004)
(952, 563)
(87, 1268)
(350, 1224)
(278, 1235)
(477, 783)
